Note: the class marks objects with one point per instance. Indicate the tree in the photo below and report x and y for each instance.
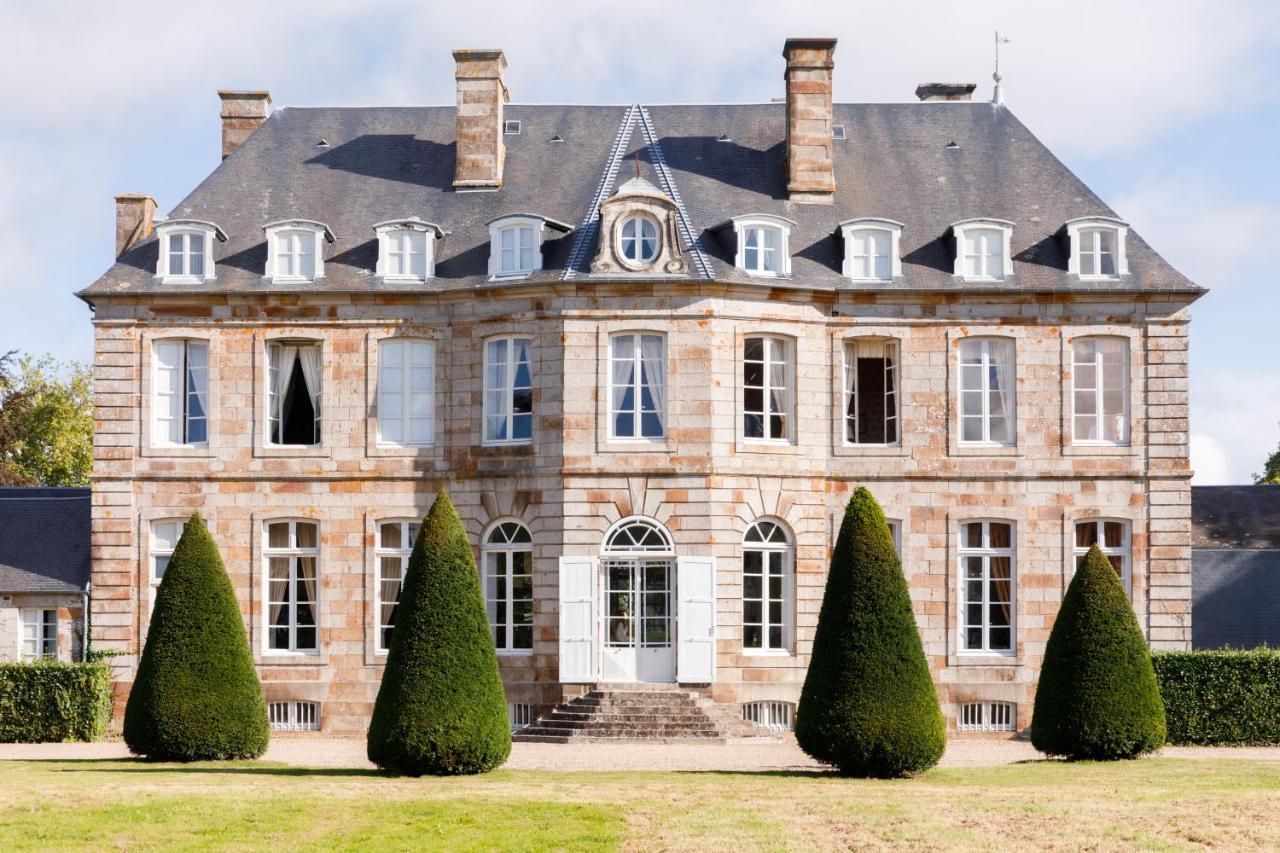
(1097, 697)
(1270, 475)
(868, 705)
(441, 708)
(196, 695)
(46, 422)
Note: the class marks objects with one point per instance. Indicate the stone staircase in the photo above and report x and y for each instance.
(614, 714)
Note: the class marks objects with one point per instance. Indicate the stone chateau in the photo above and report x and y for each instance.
(650, 350)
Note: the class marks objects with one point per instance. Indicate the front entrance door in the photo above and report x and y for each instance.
(638, 626)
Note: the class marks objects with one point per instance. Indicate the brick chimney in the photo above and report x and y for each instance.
(482, 94)
(811, 177)
(945, 91)
(242, 114)
(134, 217)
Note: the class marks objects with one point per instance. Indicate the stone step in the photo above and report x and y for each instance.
(637, 713)
(638, 728)
(522, 737)
(567, 715)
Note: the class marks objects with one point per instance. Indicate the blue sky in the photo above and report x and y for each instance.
(1170, 111)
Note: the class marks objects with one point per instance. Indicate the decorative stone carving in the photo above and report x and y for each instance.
(641, 198)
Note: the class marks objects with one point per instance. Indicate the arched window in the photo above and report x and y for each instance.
(638, 239)
(767, 599)
(638, 535)
(1112, 536)
(506, 553)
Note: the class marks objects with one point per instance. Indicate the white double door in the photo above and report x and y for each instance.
(637, 619)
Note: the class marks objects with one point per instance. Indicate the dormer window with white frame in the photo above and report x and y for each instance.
(186, 250)
(1097, 247)
(407, 249)
(295, 250)
(763, 244)
(515, 243)
(871, 249)
(983, 249)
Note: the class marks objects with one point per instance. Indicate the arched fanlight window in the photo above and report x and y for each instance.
(767, 589)
(638, 535)
(509, 533)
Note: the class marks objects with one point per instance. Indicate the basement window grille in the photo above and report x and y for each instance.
(294, 716)
(776, 716)
(511, 127)
(987, 717)
(520, 713)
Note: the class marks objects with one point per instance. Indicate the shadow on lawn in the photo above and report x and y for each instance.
(140, 765)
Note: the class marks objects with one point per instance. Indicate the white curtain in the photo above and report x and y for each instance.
(624, 379)
(498, 391)
(198, 375)
(168, 402)
(1002, 384)
(282, 359)
(307, 574)
(653, 359)
(310, 358)
(851, 352)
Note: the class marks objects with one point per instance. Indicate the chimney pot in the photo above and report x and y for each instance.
(135, 218)
(945, 91)
(811, 177)
(243, 112)
(482, 95)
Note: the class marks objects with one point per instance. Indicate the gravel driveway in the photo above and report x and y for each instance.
(747, 755)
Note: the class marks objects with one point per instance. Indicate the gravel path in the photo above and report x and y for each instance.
(747, 755)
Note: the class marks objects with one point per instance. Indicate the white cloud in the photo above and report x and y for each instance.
(1237, 423)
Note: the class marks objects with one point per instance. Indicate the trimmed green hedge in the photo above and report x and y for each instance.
(50, 701)
(1221, 698)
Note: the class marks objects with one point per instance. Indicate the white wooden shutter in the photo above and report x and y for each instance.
(579, 650)
(696, 589)
(166, 401)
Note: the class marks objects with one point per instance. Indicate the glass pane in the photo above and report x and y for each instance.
(752, 586)
(1113, 534)
(1086, 534)
(390, 535)
(278, 534)
(306, 535)
(751, 636)
(971, 535)
(1001, 535)
(752, 611)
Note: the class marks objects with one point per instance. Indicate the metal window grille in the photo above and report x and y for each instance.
(837, 131)
(294, 716)
(521, 714)
(987, 717)
(777, 716)
(511, 127)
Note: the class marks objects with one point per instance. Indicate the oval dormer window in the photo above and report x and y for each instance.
(638, 239)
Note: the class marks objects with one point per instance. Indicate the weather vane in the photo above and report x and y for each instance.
(998, 96)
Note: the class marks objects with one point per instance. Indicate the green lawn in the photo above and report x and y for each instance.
(1153, 803)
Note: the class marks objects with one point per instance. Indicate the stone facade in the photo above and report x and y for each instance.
(704, 482)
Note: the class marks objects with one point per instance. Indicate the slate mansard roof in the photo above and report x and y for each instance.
(897, 162)
(44, 540)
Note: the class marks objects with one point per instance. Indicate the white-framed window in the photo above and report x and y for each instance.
(895, 530)
(988, 405)
(638, 239)
(1100, 390)
(294, 386)
(165, 534)
(295, 250)
(185, 254)
(768, 385)
(406, 249)
(294, 716)
(1111, 535)
(763, 244)
(1097, 247)
(983, 249)
(292, 557)
(391, 552)
(773, 715)
(180, 393)
(39, 634)
(987, 595)
(987, 717)
(507, 556)
(406, 392)
(637, 386)
(508, 390)
(871, 391)
(871, 249)
(768, 558)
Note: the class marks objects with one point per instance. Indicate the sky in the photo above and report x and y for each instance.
(1169, 110)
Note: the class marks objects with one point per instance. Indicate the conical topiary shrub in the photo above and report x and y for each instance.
(196, 694)
(441, 708)
(868, 706)
(1097, 697)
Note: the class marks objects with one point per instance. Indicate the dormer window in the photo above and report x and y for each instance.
(1097, 249)
(186, 250)
(871, 249)
(638, 239)
(983, 249)
(295, 250)
(763, 244)
(406, 249)
(515, 243)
